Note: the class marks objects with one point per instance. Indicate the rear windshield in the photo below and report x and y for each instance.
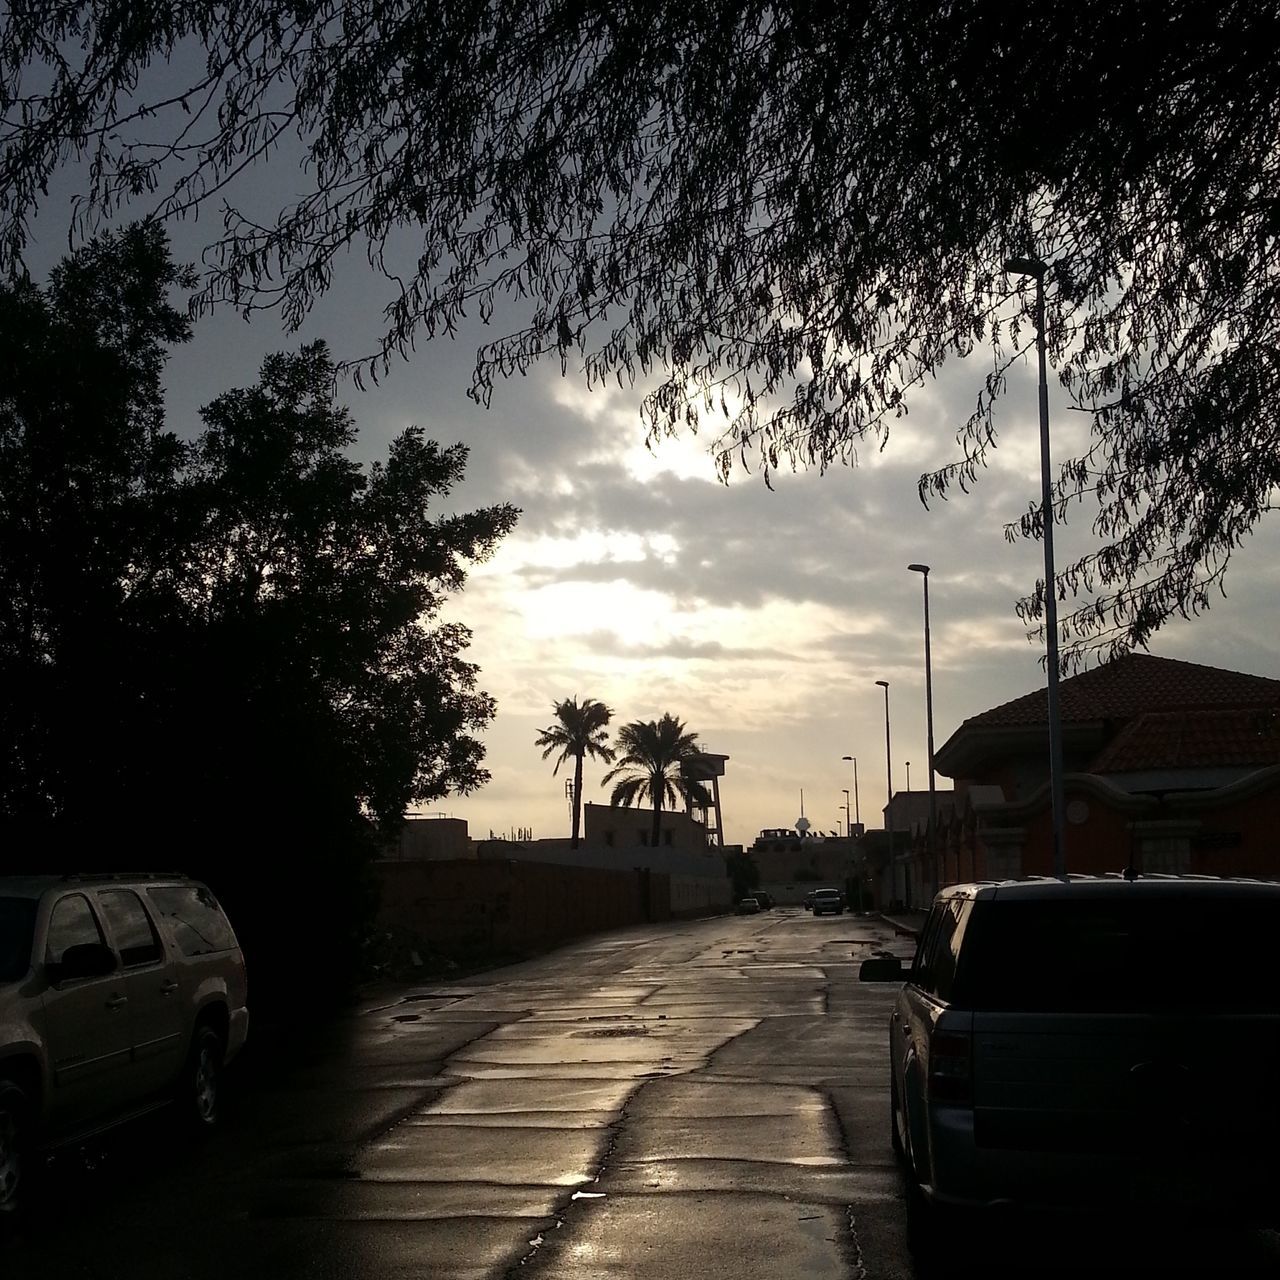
(1139, 955)
(17, 924)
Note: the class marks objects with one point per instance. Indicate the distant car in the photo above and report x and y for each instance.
(1098, 1043)
(808, 900)
(764, 899)
(825, 900)
(748, 907)
(117, 994)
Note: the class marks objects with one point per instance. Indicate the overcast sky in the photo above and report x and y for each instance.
(761, 618)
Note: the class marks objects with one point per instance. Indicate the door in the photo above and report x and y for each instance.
(86, 1024)
(151, 983)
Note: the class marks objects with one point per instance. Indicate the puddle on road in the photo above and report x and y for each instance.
(609, 1033)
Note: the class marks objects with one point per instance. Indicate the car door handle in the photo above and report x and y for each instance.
(117, 1002)
(168, 988)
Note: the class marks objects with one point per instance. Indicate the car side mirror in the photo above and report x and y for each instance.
(881, 967)
(84, 960)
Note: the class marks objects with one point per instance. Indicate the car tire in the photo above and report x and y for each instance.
(200, 1087)
(17, 1154)
(895, 1134)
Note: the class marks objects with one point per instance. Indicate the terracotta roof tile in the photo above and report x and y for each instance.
(1199, 739)
(1133, 685)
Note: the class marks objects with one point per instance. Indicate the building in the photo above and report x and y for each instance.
(1169, 767)
(615, 827)
(431, 840)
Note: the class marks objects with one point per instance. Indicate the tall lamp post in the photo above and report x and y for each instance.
(857, 811)
(888, 768)
(1036, 269)
(923, 571)
(848, 827)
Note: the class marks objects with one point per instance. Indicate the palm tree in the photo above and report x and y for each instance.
(650, 754)
(579, 731)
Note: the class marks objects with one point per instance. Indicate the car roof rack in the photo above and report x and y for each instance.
(90, 877)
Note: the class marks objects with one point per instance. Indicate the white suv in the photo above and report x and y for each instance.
(1094, 1042)
(117, 994)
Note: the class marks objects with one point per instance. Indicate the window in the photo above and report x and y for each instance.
(934, 970)
(1122, 955)
(131, 928)
(192, 912)
(1169, 855)
(920, 971)
(72, 924)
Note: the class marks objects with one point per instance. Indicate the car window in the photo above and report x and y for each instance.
(1152, 955)
(920, 973)
(131, 928)
(194, 916)
(71, 924)
(947, 944)
(939, 965)
(17, 927)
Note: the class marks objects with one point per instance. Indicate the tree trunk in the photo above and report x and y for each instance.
(577, 799)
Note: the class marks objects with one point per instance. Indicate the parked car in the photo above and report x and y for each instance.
(118, 994)
(748, 907)
(764, 899)
(825, 900)
(1092, 1043)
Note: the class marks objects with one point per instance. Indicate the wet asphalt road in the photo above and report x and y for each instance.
(705, 1100)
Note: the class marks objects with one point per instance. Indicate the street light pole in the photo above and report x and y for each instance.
(848, 829)
(923, 571)
(888, 768)
(908, 777)
(857, 810)
(1036, 269)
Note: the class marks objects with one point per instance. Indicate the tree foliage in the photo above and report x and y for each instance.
(580, 730)
(650, 756)
(221, 652)
(790, 217)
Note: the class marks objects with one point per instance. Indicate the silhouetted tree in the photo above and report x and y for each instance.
(650, 754)
(579, 731)
(794, 215)
(222, 653)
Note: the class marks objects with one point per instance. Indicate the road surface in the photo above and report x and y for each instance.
(702, 1100)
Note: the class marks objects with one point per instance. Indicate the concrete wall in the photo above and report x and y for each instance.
(462, 907)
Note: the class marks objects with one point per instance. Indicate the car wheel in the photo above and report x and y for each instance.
(16, 1157)
(896, 1120)
(200, 1090)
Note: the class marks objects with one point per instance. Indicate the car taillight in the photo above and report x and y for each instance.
(951, 1068)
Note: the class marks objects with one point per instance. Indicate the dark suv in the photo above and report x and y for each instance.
(1093, 1042)
(117, 994)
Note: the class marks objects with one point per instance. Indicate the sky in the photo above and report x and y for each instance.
(761, 618)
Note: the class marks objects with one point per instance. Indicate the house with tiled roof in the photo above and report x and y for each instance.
(1168, 766)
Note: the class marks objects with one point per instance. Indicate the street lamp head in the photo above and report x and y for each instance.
(1026, 267)
(848, 757)
(884, 684)
(919, 568)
